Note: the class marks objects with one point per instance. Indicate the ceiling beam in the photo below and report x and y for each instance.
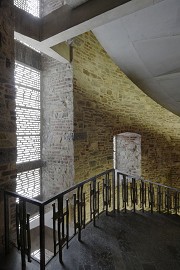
(66, 23)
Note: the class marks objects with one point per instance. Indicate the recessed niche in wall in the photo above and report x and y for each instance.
(127, 153)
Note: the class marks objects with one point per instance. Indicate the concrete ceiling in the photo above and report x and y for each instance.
(75, 3)
(146, 46)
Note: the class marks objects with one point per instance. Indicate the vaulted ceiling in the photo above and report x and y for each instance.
(146, 46)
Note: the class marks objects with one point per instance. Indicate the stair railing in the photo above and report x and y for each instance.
(71, 210)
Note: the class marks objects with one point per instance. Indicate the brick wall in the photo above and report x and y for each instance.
(7, 103)
(57, 127)
(107, 103)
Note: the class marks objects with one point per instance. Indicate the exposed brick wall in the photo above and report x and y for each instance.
(7, 103)
(107, 103)
(57, 127)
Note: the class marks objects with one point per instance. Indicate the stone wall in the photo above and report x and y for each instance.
(57, 127)
(7, 104)
(107, 103)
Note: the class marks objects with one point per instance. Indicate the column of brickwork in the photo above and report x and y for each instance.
(7, 103)
(57, 127)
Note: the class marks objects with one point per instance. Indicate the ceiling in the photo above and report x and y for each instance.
(146, 47)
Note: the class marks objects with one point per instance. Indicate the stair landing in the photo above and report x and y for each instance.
(132, 241)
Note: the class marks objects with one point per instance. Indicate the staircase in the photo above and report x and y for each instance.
(106, 200)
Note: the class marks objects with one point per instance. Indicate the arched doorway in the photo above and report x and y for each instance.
(127, 153)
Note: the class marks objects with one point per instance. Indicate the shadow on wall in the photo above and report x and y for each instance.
(107, 103)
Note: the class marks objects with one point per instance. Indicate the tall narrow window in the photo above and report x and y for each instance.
(27, 81)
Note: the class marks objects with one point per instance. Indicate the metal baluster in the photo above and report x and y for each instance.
(124, 183)
(168, 201)
(103, 194)
(151, 197)
(42, 238)
(17, 226)
(175, 202)
(142, 201)
(81, 206)
(28, 239)
(54, 228)
(118, 193)
(84, 213)
(6, 222)
(22, 211)
(67, 223)
(94, 202)
(98, 191)
(127, 192)
(91, 202)
(159, 198)
(106, 186)
(145, 195)
(131, 192)
(113, 191)
(134, 194)
(60, 220)
(75, 218)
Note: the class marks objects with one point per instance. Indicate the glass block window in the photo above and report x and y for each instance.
(31, 6)
(28, 183)
(27, 81)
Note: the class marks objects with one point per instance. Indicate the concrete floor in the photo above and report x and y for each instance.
(128, 242)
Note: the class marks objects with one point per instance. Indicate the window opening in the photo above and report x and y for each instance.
(27, 82)
(30, 6)
(28, 183)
